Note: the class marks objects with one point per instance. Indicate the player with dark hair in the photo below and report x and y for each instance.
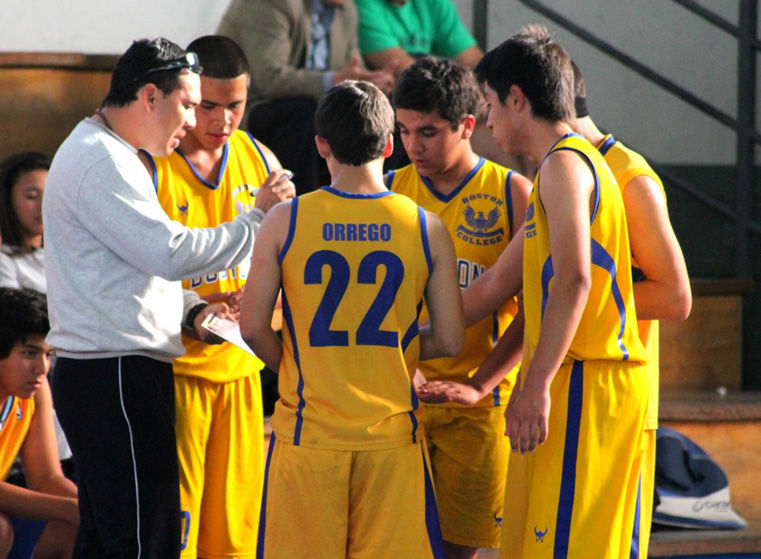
(662, 285)
(347, 473)
(575, 419)
(482, 204)
(113, 261)
(216, 173)
(45, 515)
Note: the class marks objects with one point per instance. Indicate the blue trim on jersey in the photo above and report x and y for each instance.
(547, 274)
(356, 196)
(259, 149)
(291, 229)
(607, 144)
(9, 403)
(509, 202)
(424, 238)
(288, 316)
(594, 172)
(601, 258)
(634, 552)
(436, 194)
(415, 405)
(570, 452)
(263, 507)
(413, 330)
(432, 523)
(390, 179)
(155, 170)
(222, 168)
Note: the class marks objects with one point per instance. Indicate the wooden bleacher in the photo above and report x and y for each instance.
(701, 373)
(45, 95)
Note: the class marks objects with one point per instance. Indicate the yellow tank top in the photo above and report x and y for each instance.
(626, 165)
(354, 269)
(479, 216)
(607, 329)
(188, 198)
(15, 418)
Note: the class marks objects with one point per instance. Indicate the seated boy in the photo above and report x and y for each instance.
(46, 513)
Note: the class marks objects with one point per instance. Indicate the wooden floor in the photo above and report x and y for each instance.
(673, 543)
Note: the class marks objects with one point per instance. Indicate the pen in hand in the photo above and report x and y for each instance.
(288, 175)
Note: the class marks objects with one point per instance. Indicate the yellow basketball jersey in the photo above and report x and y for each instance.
(15, 418)
(479, 216)
(354, 269)
(607, 329)
(626, 165)
(190, 199)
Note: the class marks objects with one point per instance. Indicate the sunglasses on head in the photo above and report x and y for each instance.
(189, 60)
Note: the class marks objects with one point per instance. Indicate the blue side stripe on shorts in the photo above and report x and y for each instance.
(634, 554)
(568, 477)
(432, 515)
(263, 509)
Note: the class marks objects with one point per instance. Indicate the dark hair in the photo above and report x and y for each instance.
(23, 313)
(221, 57)
(356, 119)
(438, 84)
(533, 61)
(133, 70)
(11, 170)
(579, 92)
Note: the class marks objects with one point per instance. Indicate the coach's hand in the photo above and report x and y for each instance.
(276, 188)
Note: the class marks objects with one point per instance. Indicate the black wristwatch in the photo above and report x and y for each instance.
(193, 313)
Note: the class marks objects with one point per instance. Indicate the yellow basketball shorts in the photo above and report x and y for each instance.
(647, 490)
(220, 442)
(469, 453)
(376, 504)
(576, 496)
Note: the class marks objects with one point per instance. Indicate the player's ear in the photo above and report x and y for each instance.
(389, 149)
(469, 124)
(518, 99)
(322, 146)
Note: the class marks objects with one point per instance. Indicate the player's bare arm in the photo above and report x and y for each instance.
(503, 358)
(498, 284)
(446, 333)
(665, 293)
(51, 496)
(565, 191)
(263, 287)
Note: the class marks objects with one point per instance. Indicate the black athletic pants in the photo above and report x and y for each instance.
(118, 415)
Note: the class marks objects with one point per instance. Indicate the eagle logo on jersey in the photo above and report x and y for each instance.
(477, 220)
(480, 226)
(540, 535)
(183, 209)
(530, 227)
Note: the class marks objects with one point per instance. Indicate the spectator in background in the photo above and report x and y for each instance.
(44, 515)
(393, 33)
(296, 49)
(22, 183)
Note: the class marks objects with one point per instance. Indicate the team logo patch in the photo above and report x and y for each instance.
(183, 209)
(497, 520)
(540, 535)
(480, 226)
(530, 212)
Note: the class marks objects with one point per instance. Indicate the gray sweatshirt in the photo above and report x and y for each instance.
(113, 257)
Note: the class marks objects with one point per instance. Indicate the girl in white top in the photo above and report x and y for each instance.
(22, 184)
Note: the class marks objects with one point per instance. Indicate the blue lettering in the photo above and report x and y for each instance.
(351, 231)
(363, 231)
(385, 232)
(327, 232)
(340, 232)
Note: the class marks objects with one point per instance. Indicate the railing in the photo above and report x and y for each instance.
(743, 124)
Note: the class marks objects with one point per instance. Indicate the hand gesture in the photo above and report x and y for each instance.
(526, 419)
(276, 188)
(441, 391)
